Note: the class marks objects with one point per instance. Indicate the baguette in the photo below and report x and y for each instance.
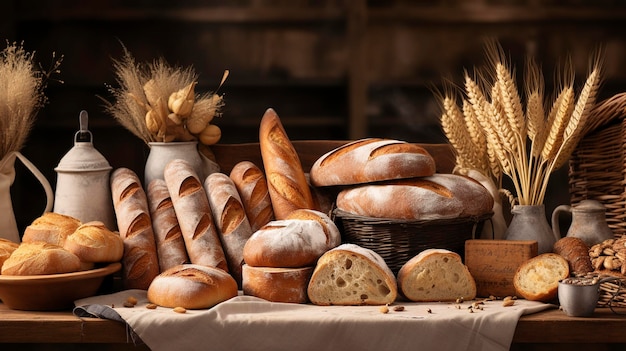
(252, 187)
(169, 239)
(194, 215)
(139, 261)
(286, 180)
(230, 219)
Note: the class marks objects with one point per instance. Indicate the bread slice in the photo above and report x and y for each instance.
(436, 275)
(538, 278)
(352, 275)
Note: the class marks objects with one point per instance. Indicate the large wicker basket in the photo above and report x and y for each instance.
(597, 171)
(397, 241)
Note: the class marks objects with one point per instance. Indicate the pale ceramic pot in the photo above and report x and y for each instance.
(530, 223)
(8, 224)
(161, 153)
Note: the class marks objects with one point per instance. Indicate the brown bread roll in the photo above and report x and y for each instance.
(352, 275)
(538, 278)
(286, 180)
(194, 215)
(170, 244)
(230, 219)
(36, 258)
(287, 243)
(576, 252)
(192, 286)
(435, 197)
(6, 249)
(94, 242)
(436, 275)
(139, 262)
(371, 160)
(252, 187)
(277, 284)
(51, 227)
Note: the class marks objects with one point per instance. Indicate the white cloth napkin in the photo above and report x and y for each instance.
(250, 323)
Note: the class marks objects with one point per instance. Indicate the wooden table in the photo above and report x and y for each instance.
(551, 328)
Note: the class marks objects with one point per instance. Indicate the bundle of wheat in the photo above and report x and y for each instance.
(491, 132)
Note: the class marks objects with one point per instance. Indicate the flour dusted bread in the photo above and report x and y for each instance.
(436, 275)
(277, 284)
(252, 187)
(36, 258)
(192, 286)
(286, 180)
(352, 275)
(333, 236)
(538, 278)
(436, 197)
(287, 243)
(371, 160)
(94, 242)
(6, 249)
(51, 227)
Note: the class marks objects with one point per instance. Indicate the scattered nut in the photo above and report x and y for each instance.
(128, 304)
(151, 306)
(429, 310)
(384, 309)
(180, 310)
(131, 300)
(398, 308)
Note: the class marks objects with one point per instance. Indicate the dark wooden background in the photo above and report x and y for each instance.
(332, 69)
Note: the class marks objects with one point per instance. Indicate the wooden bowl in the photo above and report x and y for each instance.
(53, 291)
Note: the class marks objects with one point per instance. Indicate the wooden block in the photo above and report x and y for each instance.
(493, 263)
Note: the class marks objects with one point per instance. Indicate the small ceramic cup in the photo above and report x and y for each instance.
(578, 297)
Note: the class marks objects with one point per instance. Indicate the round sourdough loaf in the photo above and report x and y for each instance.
(277, 284)
(94, 242)
(51, 227)
(537, 279)
(192, 286)
(36, 258)
(352, 275)
(435, 197)
(333, 236)
(436, 275)
(287, 243)
(371, 160)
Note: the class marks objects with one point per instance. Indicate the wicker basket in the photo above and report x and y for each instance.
(397, 241)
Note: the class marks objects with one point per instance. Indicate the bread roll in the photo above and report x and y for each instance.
(139, 262)
(277, 284)
(94, 242)
(333, 236)
(371, 160)
(230, 218)
(538, 278)
(287, 243)
(436, 275)
(6, 249)
(36, 258)
(169, 240)
(194, 215)
(576, 252)
(252, 187)
(192, 286)
(352, 275)
(286, 181)
(435, 197)
(51, 227)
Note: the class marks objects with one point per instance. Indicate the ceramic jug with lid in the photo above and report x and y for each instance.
(83, 190)
(588, 222)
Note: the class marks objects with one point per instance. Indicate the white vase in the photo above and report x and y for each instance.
(161, 153)
(8, 225)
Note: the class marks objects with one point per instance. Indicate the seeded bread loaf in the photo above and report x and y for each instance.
(352, 275)
(436, 275)
(538, 278)
(371, 160)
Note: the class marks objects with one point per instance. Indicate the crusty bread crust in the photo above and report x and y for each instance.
(36, 258)
(252, 187)
(277, 284)
(94, 242)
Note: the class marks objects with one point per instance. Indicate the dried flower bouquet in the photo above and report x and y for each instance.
(492, 132)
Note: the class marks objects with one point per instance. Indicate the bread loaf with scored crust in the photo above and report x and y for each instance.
(94, 242)
(436, 197)
(192, 286)
(252, 187)
(194, 215)
(37, 258)
(139, 262)
(286, 180)
(371, 160)
(6, 249)
(170, 244)
(51, 227)
(230, 219)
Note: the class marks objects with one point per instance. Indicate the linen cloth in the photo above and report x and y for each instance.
(250, 323)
